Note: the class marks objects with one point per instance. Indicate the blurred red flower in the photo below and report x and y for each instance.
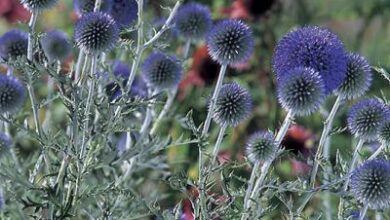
(13, 11)
(249, 9)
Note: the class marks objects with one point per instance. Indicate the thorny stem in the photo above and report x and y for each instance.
(164, 111)
(346, 183)
(218, 143)
(202, 196)
(265, 167)
(363, 212)
(31, 32)
(328, 124)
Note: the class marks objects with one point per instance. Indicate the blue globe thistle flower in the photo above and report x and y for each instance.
(5, 143)
(193, 21)
(233, 105)
(366, 117)
(312, 47)
(261, 146)
(370, 183)
(124, 12)
(384, 132)
(56, 46)
(358, 77)
(230, 42)
(12, 94)
(13, 44)
(86, 6)
(301, 90)
(162, 71)
(121, 69)
(96, 32)
(38, 5)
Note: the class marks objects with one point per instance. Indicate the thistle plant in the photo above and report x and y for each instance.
(12, 94)
(56, 46)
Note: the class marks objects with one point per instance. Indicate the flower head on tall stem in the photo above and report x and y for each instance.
(370, 184)
(233, 105)
(124, 12)
(56, 46)
(86, 6)
(358, 77)
(312, 47)
(13, 44)
(96, 32)
(193, 21)
(12, 94)
(230, 42)
(5, 143)
(384, 133)
(38, 5)
(366, 117)
(261, 146)
(301, 90)
(162, 71)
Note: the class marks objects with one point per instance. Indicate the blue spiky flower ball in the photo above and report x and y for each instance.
(366, 117)
(56, 46)
(230, 42)
(124, 12)
(233, 105)
(38, 5)
(96, 32)
(13, 44)
(384, 132)
(193, 21)
(162, 71)
(370, 184)
(358, 79)
(301, 90)
(312, 47)
(12, 94)
(261, 146)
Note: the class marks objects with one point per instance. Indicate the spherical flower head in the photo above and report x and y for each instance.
(121, 69)
(13, 44)
(312, 47)
(261, 146)
(162, 71)
(38, 5)
(384, 132)
(124, 12)
(56, 46)
(12, 94)
(366, 117)
(86, 6)
(5, 143)
(358, 77)
(370, 184)
(301, 91)
(96, 32)
(193, 21)
(230, 42)
(233, 105)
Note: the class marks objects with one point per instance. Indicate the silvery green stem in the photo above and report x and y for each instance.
(80, 62)
(266, 165)
(164, 111)
(218, 87)
(363, 212)
(377, 152)
(98, 3)
(37, 166)
(251, 182)
(10, 70)
(218, 143)
(346, 183)
(328, 124)
(31, 32)
(61, 172)
(187, 49)
(378, 215)
(129, 168)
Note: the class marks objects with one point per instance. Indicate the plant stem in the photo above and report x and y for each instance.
(363, 212)
(251, 182)
(377, 152)
(31, 33)
(266, 165)
(346, 183)
(218, 143)
(80, 62)
(328, 124)
(186, 49)
(10, 70)
(164, 111)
